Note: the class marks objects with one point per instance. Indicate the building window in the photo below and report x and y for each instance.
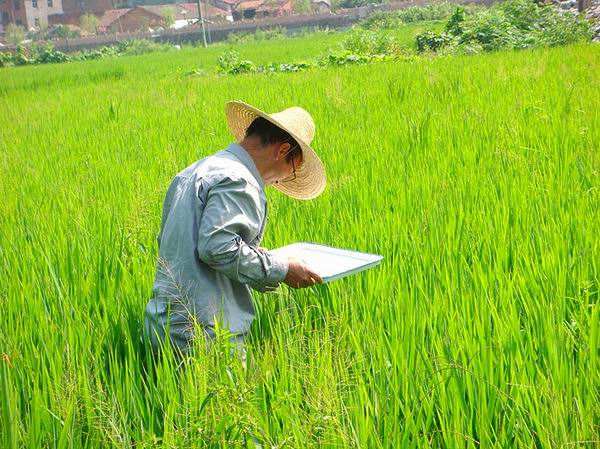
(34, 3)
(50, 3)
(36, 22)
(19, 22)
(17, 4)
(4, 18)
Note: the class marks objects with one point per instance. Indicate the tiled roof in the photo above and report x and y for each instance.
(185, 10)
(111, 15)
(281, 6)
(249, 4)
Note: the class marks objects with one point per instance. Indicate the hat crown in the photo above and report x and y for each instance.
(298, 121)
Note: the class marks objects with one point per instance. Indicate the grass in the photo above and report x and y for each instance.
(476, 178)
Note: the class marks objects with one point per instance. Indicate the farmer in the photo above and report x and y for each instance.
(213, 220)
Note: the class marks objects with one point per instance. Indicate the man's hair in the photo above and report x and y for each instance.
(270, 133)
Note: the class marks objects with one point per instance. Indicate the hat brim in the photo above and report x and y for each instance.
(310, 176)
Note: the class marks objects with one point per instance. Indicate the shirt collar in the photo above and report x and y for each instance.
(240, 152)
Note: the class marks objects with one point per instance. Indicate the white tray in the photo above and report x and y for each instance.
(328, 262)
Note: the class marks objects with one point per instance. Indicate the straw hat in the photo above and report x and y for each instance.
(310, 176)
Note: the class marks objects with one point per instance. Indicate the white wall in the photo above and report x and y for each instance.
(42, 11)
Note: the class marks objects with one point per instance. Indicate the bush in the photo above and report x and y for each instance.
(14, 34)
(63, 32)
(514, 24)
(387, 20)
(240, 38)
(140, 47)
(48, 55)
(231, 63)
(89, 23)
(259, 35)
(284, 67)
(269, 34)
(428, 40)
(6, 59)
(367, 42)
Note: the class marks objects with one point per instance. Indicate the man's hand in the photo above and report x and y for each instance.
(299, 275)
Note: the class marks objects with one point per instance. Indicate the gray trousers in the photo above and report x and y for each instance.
(182, 349)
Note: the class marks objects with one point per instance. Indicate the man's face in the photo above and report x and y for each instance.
(283, 168)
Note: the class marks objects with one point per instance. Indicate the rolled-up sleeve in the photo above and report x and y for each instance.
(232, 210)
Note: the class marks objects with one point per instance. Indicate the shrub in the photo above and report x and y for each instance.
(514, 24)
(89, 23)
(14, 34)
(231, 63)
(168, 13)
(428, 40)
(240, 37)
(269, 34)
(386, 20)
(6, 59)
(284, 67)
(63, 32)
(48, 55)
(367, 42)
(244, 37)
(140, 47)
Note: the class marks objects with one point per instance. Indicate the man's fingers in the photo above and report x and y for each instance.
(316, 277)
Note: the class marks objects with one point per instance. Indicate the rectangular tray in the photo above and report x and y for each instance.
(329, 262)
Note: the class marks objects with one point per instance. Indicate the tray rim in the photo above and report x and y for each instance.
(367, 265)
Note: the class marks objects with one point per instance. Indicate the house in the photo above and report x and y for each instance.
(246, 9)
(258, 9)
(127, 20)
(30, 14)
(320, 6)
(187, 13)
(74, 9)
(226, 5)
(275, 9)
(81, 7)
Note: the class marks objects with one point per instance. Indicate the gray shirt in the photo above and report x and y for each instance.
(213, 219)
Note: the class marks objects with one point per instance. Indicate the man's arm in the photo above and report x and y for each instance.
(233, 209)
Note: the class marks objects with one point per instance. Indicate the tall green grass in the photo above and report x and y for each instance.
(476, 178)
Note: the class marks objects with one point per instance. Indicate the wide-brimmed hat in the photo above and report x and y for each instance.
(310, 176)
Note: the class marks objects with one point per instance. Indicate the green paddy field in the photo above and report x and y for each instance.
(476, 177)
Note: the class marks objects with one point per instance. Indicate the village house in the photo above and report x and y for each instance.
(127, 20)
(30, 14)
(143, 17)
(225, 5)
(321, 6)
(33, 14)
(74, 9)
(258, 9)
(187, 13)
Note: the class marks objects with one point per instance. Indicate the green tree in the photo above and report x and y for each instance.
(302, 6)
(144, 24)
(14, 33)
(89, 23)
(335, 5)
(168, 14)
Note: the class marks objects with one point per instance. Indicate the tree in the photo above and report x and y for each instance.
(89, 23)
(64, 32)
(335, 5)
(14, 33)
(144, 24)
(302, 6)
(168, 14)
